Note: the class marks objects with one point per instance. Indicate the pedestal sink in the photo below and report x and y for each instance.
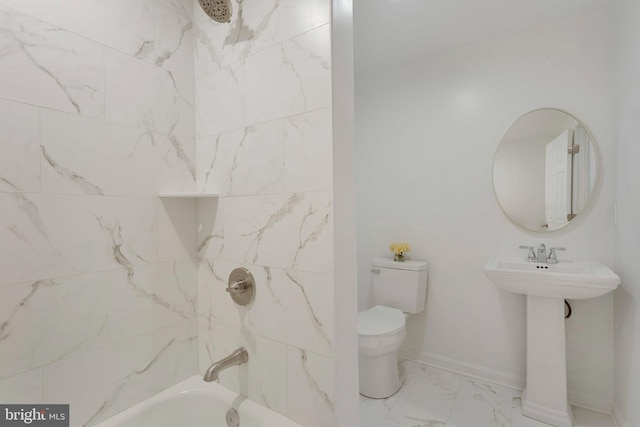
(546, 287)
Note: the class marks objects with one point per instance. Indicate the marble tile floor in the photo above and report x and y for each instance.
(432, 397)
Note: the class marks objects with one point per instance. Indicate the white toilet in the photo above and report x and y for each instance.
(399, 289)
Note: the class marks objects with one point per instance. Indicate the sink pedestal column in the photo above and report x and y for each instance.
(545, 397)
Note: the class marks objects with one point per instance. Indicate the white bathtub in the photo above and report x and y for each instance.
(195, 403)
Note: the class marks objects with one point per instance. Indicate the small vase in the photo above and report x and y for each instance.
(398, 257)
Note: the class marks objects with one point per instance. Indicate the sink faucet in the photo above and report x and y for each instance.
(238, 357)
(542, 256)
(542, 253)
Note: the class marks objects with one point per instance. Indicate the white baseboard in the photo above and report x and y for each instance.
(464, 368)
(592, 403)
(618, 418)
(581, 400)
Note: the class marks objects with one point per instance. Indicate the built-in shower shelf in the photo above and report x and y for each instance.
(188, 195)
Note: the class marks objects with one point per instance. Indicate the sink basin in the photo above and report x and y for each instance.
(567, 279)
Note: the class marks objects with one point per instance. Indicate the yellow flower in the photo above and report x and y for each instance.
(399, 248)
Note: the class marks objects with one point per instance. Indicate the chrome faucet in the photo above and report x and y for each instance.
(542, 253)
(542, 256)
(238, 357)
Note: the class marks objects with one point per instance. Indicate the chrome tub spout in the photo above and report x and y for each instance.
(238, 357)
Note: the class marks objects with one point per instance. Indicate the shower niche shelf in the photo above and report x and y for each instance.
(188, 195)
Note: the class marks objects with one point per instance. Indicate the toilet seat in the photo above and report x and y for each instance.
(380, 321)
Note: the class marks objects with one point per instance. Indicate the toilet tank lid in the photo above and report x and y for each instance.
(379, 321)
(412, 265)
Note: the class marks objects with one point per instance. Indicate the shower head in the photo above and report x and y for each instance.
(218, 10)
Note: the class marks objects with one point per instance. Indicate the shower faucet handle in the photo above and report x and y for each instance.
(238, 287)
(241, 286)
(531, 256)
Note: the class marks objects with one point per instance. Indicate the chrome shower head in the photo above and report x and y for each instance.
(218, 10)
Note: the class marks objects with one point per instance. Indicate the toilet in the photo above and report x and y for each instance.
(399, 290)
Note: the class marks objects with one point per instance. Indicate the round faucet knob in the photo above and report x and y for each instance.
(241, 286)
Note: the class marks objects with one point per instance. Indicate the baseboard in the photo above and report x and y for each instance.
(482, 373)
(592, 403)
(561, 416)
(618, 418)
(464, 368)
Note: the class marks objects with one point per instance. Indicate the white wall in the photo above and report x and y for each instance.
(426, 133)
(627, 248)
(97, 276)
(264, 142)
(347, 403)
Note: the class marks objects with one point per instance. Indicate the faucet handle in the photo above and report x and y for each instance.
(241, 286)
(552, 258)
(531, 256)
(238, 287)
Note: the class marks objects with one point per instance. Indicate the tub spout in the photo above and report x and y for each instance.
(238, 357)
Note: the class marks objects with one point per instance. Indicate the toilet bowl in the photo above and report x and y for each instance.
(381, 331)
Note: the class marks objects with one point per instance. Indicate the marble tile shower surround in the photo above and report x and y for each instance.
(289, 297)
(437, 398)
(64, 72)
(258, 27)
(263, 136)
(145, 107)
(280, 156)
(96, 270)
(298, 72)
(150, 30)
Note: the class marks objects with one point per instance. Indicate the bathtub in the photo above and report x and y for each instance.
(195, 403)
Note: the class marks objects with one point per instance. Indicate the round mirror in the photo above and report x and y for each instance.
(545, 170)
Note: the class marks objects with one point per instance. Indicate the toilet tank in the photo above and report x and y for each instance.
(401, 285)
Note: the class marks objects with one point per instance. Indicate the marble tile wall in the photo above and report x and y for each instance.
(98, 277)
(95, 270)
(264, 143)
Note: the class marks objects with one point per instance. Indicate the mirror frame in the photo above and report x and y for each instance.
(596, 179)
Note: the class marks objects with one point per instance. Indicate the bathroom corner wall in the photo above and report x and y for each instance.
(627, 153)
(98, 277)
(264, 143)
